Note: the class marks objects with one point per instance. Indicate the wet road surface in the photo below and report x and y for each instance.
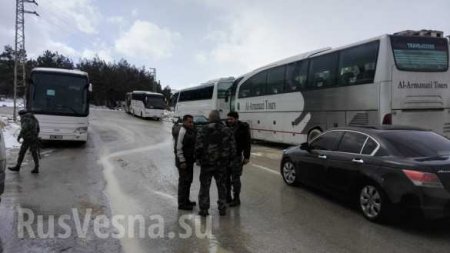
(127, 169)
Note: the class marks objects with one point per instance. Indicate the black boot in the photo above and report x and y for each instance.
(236, 201)
(229, 199)
(223, 212)
(15, 168)
(36, 170)
(203, 213)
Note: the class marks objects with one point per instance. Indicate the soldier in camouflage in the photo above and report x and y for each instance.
(214, 148)
(29, 133)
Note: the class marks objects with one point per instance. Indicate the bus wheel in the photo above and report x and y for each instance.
(313, 134)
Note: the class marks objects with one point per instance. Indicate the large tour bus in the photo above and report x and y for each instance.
(59, 98)
(400, 79)
(200, 100)
(146, 104)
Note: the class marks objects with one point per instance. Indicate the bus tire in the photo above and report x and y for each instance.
(313, 133)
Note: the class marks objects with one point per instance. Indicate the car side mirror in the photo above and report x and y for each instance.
(305, 146)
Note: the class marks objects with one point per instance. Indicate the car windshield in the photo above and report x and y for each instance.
(417, 143)
(200, 120)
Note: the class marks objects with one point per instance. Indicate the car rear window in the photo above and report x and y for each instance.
(370, 146)
(417, 143)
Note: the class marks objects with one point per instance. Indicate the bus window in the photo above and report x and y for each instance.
(357, 65)
(322, 71)
(275, 80)
(259, 82)
(420, 53)
(244, 90)
(296, 76)
(222, 88)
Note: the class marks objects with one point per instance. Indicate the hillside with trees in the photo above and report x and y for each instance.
(110, 80)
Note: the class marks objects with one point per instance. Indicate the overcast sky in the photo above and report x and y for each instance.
(192, 41)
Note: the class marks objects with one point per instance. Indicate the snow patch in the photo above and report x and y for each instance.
(10, 132)
(9, 102)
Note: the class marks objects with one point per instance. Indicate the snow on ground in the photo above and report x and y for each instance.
(10, 102)
(10, 132)
(168, 115)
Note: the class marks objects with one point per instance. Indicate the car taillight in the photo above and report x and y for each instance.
(387, 119)
(423, 179)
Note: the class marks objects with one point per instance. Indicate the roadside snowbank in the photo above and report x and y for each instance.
(10, 103)
(10, 132)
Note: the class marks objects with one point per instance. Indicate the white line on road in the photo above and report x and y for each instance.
(265, 168)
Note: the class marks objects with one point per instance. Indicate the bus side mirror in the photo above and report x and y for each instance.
(90, 87)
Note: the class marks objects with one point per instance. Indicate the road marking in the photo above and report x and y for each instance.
(257, 154)
(265, 168)
(165, 195)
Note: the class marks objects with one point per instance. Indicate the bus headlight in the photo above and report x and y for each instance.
(81, 130)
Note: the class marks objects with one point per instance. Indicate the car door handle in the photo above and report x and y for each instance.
(358, 160)
(322, 156)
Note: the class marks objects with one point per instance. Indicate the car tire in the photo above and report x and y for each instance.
(373, 203)
(313, 134)
(289, 173)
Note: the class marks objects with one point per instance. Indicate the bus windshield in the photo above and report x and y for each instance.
(59, 94)
(423, 54)
(154, 102)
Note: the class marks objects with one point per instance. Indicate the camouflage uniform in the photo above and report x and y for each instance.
(214, 148)
(29, 132)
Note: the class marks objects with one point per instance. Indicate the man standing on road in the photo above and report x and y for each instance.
(184, 160)
(214, 148)
(29, 132)
(241, 132)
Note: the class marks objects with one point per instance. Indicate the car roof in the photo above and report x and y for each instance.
(380, 128)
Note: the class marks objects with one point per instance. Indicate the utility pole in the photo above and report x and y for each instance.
(20, 53)
(153, 73)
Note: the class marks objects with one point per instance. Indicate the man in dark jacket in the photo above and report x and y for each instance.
(214, 149)
(241, 131)
(184, 160)
(29, 132)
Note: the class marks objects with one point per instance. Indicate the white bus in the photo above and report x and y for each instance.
(146, 104)
(400, 79)
(59, 98)
(200, 100)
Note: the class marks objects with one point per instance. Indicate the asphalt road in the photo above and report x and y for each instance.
(127, 169)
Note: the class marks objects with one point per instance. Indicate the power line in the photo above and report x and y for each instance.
(20, 53)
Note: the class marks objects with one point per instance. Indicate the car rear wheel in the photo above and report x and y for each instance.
(373, 202)
(289, 173)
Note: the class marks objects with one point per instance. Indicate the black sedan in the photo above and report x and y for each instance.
(384, 169)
